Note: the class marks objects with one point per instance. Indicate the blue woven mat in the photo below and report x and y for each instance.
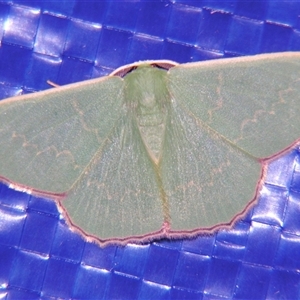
(69, 41)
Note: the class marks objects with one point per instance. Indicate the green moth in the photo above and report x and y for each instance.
(155, 149)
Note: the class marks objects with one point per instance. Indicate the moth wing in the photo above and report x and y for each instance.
(253, 102)
(207, 180)
(47, 139)
(117, 198)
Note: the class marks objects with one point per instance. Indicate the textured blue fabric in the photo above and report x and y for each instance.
(69, 41)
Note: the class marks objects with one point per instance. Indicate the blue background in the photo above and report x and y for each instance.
(71, 40)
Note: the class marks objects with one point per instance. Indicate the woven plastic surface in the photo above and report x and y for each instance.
(68, 41)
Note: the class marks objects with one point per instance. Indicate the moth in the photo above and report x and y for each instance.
(156, 149)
